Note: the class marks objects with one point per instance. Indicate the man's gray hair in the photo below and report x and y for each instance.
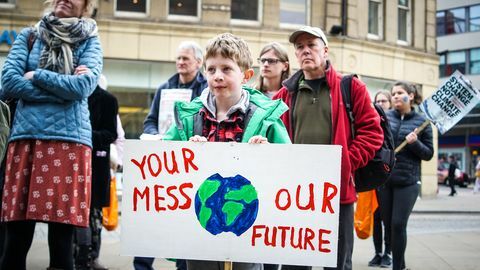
(192, 45)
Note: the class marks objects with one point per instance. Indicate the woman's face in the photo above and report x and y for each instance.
(69, 8)
(268, 68)
(383, 102)
(400, 98)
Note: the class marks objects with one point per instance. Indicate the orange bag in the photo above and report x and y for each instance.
(363, 221)
(110, 213)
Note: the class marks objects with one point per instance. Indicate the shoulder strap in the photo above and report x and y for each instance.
(346, 88)
(31, 39)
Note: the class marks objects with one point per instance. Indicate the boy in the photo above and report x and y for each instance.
(228, 112)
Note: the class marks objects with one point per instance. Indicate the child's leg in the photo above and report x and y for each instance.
(60, 244)
(19, 236)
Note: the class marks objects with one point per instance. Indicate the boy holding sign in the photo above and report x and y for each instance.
(228, 112)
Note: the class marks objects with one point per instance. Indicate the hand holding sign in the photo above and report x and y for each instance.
(448, 104)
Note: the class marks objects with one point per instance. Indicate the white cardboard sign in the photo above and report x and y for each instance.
(451, 102)
(268, 203)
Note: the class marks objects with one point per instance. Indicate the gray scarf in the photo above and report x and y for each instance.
(61, 36)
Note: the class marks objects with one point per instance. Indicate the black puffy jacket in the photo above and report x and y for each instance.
(407, 168)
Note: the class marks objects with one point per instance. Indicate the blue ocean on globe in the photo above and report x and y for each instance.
(226, 204)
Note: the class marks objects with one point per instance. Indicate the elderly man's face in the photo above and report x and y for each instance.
(311, 53)
(186, 62)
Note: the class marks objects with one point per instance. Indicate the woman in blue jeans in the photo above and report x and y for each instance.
(398, 196)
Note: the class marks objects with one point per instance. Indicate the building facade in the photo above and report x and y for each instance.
(381, 41)
(458, 45)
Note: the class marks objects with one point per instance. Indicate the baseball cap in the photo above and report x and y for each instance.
(314, 31)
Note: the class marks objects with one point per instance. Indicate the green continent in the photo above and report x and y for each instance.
(207, 189)
(232, 210)
(246, 193)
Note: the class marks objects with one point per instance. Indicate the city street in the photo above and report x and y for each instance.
(444, 233)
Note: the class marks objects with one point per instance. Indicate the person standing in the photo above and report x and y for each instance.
(48, 174)
(399, 194)
(317, 116)
(188, 62)
(103, 108)
(384, 260)
(274, 68)
(452, 167)
(476, 188)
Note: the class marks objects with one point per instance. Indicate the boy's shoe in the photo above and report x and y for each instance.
(376, 261)
(386, 261)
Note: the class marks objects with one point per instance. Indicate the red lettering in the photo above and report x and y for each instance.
(292, 238)
(328, 197)
(283, 229)
(171, 195)
(256, 235)
(188, 200)
(273, 240)
(141, 166)
(145, 195)
(277, 200)
(321, 242)
(174, 163)
(311, 198)
(159, 198)
(188, 160)
(159, 164)
(309, 236)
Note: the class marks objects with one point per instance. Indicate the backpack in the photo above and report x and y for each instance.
(4, 128)
(378, 170)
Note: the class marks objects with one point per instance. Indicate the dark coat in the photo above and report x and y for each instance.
(407, 168)
(103, 108)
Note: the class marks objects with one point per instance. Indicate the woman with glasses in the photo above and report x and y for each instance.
(384, 260)
(274, 68)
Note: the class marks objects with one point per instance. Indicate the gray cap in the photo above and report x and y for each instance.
(314, 31)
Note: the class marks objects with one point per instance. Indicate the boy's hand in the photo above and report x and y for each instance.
(197, 138)
(258, 139)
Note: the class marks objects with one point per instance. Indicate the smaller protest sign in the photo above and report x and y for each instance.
(451, 102)
(167, 100)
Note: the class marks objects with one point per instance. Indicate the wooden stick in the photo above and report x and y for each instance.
(420, 128)
(228, 266)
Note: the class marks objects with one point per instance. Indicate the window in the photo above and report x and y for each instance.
(294, 12)
(455, 21)
(183, 9)
(375, 18)
(474, 22)
(442, 67)
(440, 23)
(7, 3)
(131, 8)
(245, 12)
(475, 61)
(455, 60)
(403, 21)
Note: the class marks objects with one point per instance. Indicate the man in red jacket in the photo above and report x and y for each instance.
(317, 115)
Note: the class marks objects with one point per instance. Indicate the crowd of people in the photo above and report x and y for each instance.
(57, 161)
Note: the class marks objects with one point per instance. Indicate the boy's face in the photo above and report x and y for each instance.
(225, 78)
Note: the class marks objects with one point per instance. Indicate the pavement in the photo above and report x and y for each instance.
(431, 245)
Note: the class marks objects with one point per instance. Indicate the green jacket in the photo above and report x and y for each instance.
(4, 128)
(263, 118)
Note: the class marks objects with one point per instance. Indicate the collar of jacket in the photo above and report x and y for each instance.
(406, 116)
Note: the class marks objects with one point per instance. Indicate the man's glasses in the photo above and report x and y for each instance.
(382, 101)
(270, 61)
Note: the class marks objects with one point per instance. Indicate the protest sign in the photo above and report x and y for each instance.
(451, 102)
(268, 203)
(165, 111)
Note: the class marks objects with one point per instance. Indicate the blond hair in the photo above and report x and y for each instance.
(90, 5)
(232, 47)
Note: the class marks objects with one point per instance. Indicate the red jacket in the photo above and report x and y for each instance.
(369, 135)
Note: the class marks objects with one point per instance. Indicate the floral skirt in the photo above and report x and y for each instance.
(47, 181)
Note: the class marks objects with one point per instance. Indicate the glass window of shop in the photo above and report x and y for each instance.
(179, 9)
(455, 20)
(404, 22)
(474, 21)
(475, 61)
(245, 12)
(7, 3)
(440, 23)
(375, 18)
(442, 65)
(294, 13)
(134, 8)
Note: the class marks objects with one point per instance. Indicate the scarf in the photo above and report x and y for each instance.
(61, 36)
